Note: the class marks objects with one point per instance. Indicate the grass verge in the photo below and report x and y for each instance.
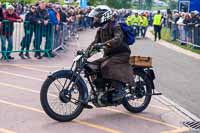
(166, 35)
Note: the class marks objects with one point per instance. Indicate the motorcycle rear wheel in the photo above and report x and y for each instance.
(140, 94)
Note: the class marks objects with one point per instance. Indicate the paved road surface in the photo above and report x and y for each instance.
(178, 75)
(21, 80)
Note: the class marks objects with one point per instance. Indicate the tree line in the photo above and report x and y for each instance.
(118, 4)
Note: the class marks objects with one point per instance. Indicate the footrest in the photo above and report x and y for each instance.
(87, 106)
(157, 94)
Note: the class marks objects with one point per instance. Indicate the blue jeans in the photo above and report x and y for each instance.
(74, 27)
(87, 22)
(6, 51)
(174, 34)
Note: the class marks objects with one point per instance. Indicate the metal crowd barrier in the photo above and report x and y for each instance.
(66, 32)
(25, 37)
(38, 38)
(188, 35)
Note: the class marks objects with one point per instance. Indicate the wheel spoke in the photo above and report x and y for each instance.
(65, 109)
(76, 101)
(57, 87)
(70, 109)
(55, 107)
(60, 83)
(56, 103)
(64, 83)
(137, 102)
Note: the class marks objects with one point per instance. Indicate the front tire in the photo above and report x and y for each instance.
(145, 84)
(60, 98)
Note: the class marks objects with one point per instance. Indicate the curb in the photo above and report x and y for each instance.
(177, 108)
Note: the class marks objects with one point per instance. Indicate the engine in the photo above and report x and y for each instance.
(101, 97)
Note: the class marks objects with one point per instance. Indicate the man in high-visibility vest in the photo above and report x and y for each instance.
(144, 24)
(133, 20)
(136, 23)
(129, 20)
(157, 23)
(137, 19)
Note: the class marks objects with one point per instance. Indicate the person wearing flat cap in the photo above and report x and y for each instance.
(7, 31)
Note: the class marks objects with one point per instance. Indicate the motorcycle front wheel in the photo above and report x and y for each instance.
(141, 95)
(61, 103)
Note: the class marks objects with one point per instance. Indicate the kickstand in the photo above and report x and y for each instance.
(156, 94)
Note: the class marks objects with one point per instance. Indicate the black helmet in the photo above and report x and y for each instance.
(101, 14)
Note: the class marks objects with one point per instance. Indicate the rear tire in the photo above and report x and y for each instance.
(147, 99)
(46, 105)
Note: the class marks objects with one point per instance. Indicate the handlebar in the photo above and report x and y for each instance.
(90, 51)
(99, 45)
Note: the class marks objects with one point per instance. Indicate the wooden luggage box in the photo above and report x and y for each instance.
(140, 61)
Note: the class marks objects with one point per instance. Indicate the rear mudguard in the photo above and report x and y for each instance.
(149, 72)
(79, 80)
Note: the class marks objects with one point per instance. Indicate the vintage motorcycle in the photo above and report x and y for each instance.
(66, 93)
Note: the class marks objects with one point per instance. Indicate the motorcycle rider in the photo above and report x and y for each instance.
(115, 62)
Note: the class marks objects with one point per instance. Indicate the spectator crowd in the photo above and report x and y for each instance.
(185, 27)
(56, 24)
(43, 20)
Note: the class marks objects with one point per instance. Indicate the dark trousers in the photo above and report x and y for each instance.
(26, 41)
(6, 51)
(157, 31)
(43, 31)
(143, 31)
(137, 30)
(196, 36)
(91, 23)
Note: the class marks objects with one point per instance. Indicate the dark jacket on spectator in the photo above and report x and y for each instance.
(30, 20)
(31, 17)
(63, 17)
(1, 14)
(187, 21)
(193, 21)
(196, 21)
(1, 19)
(199, 22)
(42, 15)
(8, 26)
(188, 24)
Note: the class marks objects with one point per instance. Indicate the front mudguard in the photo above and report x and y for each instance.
(148, 72)
(80, 81)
